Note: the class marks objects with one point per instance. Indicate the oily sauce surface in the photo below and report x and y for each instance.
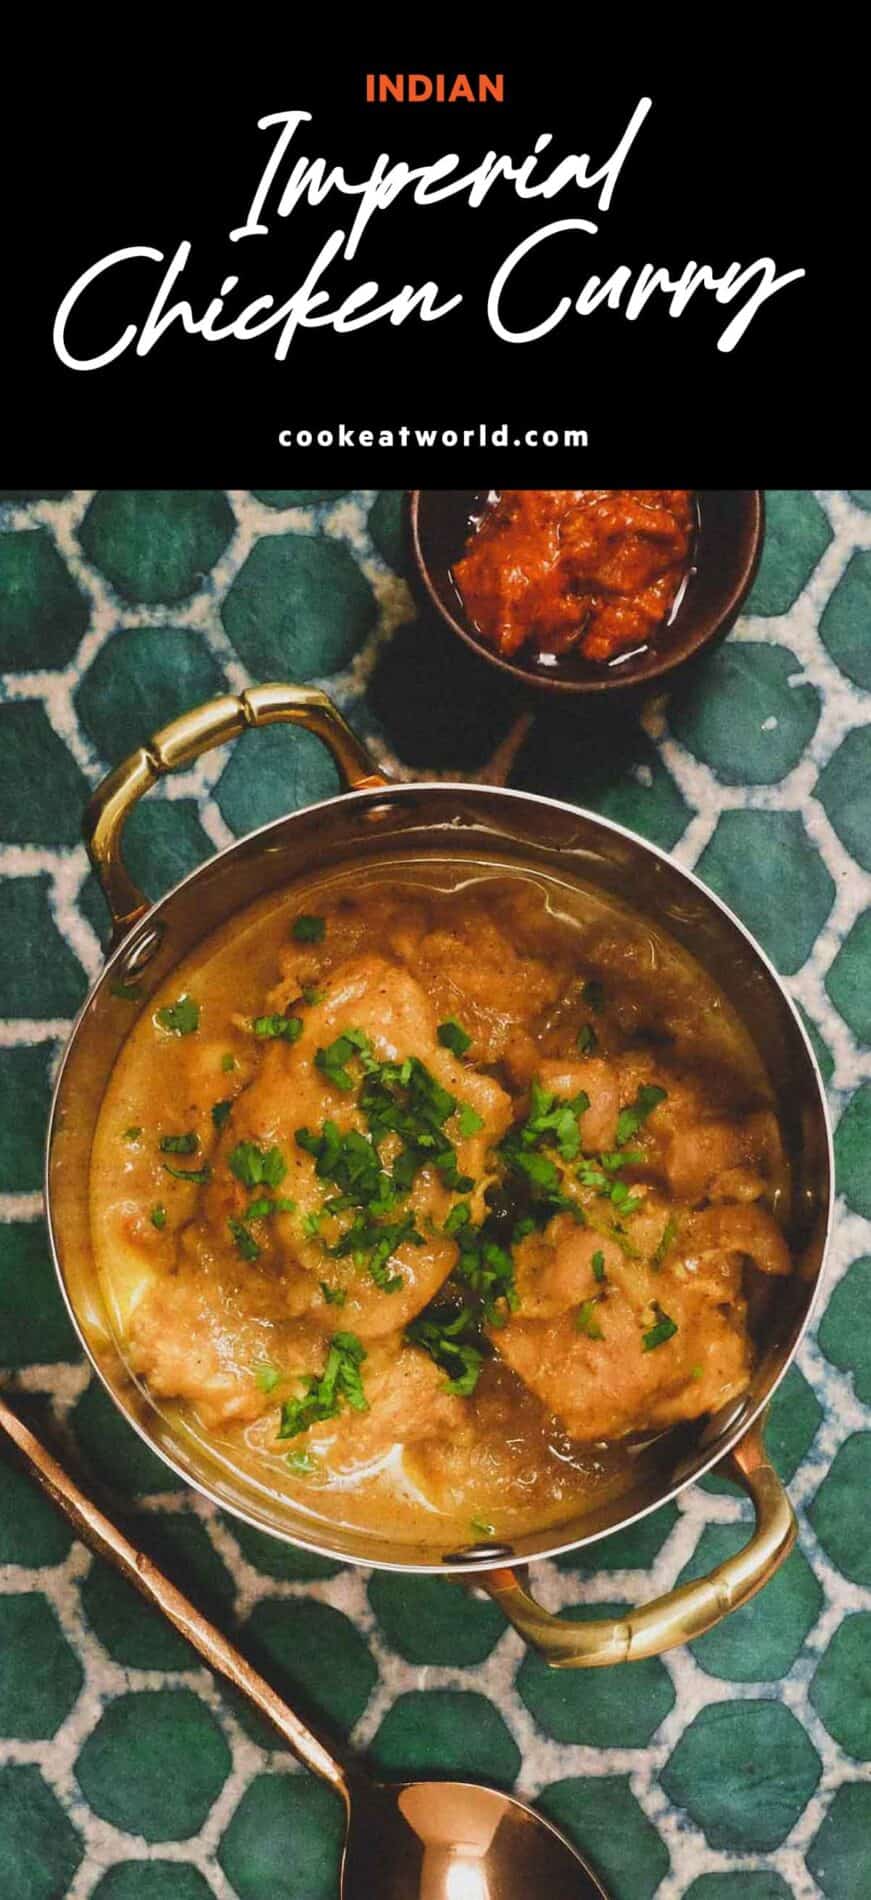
(593, 572)
(427, 1197)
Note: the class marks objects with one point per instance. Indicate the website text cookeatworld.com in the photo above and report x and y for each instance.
(482, 435)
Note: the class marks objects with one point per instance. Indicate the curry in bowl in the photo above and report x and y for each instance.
(434, 1195)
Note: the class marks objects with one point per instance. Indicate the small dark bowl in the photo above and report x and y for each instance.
(726, 556)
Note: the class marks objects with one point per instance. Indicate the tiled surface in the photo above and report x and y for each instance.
(738, 1769)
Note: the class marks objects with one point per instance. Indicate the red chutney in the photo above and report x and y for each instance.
(592, 571)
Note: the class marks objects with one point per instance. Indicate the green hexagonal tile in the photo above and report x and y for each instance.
(36, 1328)
(820, 1048)
(797, 533)
(635, 1548)
(445, 1732)
(42, 611)
(605, 1708)
(740, 714)
(156, 544)
(130, 1631)
(297, 497)
(844, 790)
(33, 494)
(432, 1620)
(601, 1815)
(760, 1642)
(140, 679)
(764, 865)
(271, 773)
(852, 1147)
(388, 525)
(284, 1822)
(839, 1512)
(163, 841)
(611, 768)
(791, 1425)
(32, 1532)
(844, 1334)
(838, 1854)
(434, 702)
(153, 1880)
(746, 1885)
(49, 979)
(25, 1095)
(39, 1847)
(155, 1764)
(846, 619)
(40, 1677)
(849, 978)
(315, 1654)
(114, 1451)
(273, 1558)
(32, 756)
(841, 1689)
(722, 1774)
(299, 608)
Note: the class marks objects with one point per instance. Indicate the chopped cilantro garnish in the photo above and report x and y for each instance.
(180, 1018)
(285, 1028)
(459, 1216)
(340, 1382)
(480, 1525)
(309, 929)
(220, 1111)
(444, 1332)
(593, 994)
(624, 1202)
(552, 1122)
(266, 1378)
(669, 1235)
(333, 1060)
(158, 1216)
(179, 1144)
(697, 1372)
(665, 1328)
(372, 1243)
(300, 1461)
(598, 1264)
(586, 1040)
(133, 1132)
(334, 1295)
(128, 992)
(453, 1036)
(586, 1320)
(311, 996)
(470, 1121)
(198, 1177)
(228, 1062)
(311, 1226)
(630, 1120)
(246, 1245)
(257, 1167)
(487, 1268)
(259, 1209)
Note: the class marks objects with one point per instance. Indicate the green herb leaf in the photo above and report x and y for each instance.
(158, 1216)
(470, 1121)
(339, 1383)
(266, 1378)
(228, 1063)
(586, 1320)
(198, 1177)
(453, 1036)
(586, 1040)
(128, 992)
(220, 1111)
(598, 1264)
(665, 1328)
(180, 1018)
(631, 1119)
(333, 1060)
(246, 1245)
(334, 1295)
(284, 1028)
(133, 1132)
(257, 1167)
(179, 1144)
(309, 929)
(447, 1334)
(481, 1527)
(301, 1461)
(669, 1235)
(311, 996)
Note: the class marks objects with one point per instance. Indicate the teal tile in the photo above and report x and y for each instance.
(602, 1708)
(297, 497)
(838, 1855)
(274, 1558)
(155, 1764)
(40, 1849)
(43, 613)
(299, 608)
(741, 714)
(156, 544)
(844, 1334)
(32, 1532)
(634, 1548)
(745, 1885)
(42, 791)
(282, 1822)
(40, 1677)
(610, 767)
(720, 1773)
(600, 1814)
(849, 978)
(272, 773)
(153, 1880)
(141, 679)
(163, 841)
(25, 1096)
(844, 789)
(845, 621)
(762, 863)
(36, 1328)
(797, 534)
(114, 1451)
(315, 1656)
(839, 1512)
(451, 1732)
(761, 1641)
(841, 1688)
(39, 973)
(852, 1148)
(388, 526)
(433, 1619)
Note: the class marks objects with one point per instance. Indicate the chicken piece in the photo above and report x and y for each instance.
(407, 1405)
(191, 1340)
(289, 1093)
(476, 972)
(598, 1080)
(745, 1230)
(638, 1349)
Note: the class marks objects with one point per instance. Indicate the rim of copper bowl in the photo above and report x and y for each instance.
(660, 665)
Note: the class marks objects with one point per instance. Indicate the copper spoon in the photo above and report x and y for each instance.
(416, 1840)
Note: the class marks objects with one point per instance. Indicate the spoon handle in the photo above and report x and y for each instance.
(104, 1537)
